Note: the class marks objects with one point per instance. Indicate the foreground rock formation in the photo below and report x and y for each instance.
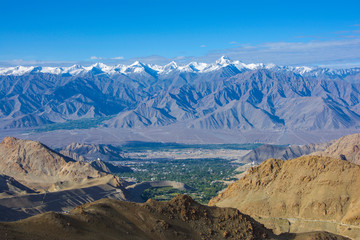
(35, 179)
(41, 168)
(307, 193)
(180, 218)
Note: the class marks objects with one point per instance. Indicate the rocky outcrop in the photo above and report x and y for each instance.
(109, 167)
(9, 187)
(308, 189)
(39, 167)
(37, 179)
(346, 148)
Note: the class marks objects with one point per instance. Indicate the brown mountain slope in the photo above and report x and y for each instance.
(345, 148)
(180, 218)
(89, 152)
(37, 179)
(9, 187)
(41, 168)
(309, 190)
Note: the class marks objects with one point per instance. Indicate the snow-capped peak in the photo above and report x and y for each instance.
(99, 65)
(167, 68)
(303, 69)
(172, 64)
(16, 71)
(194, 67)
(137, 64)
(136, 67)
(223, 61)
(155, 70)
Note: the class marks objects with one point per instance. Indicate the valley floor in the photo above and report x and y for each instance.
(175, 133)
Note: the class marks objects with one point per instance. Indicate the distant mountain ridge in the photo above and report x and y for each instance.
(267, 151)
(153, 69)
(90, 152)
(223, 95)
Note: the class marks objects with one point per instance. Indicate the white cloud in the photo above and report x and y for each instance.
(294, 53)
(179, 58)
(118, 58)
(202, 46)
(22, 62)
(317, 52)
(233, 42)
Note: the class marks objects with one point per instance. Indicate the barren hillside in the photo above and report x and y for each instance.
(41, 168)
(180, 218)
(346, 148)
(321, 191)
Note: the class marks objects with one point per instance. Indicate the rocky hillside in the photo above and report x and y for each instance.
(346, 148)
(90, 152)
(35, 179)
(9, 187)
(109, 167)
(315, 192)
(180, 218)
(34, 164)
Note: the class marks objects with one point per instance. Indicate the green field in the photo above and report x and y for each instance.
(154, 146)
(84, 123)
(204, 175)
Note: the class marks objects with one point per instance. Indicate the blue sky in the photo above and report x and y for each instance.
(283, 32)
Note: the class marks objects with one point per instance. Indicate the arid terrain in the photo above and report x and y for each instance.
(36, 179)
(346, 148)
(302, 194)
(179, 120)
(180, 218)
(310, 197)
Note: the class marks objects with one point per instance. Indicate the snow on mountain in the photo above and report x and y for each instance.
(74, 70)
(52, 70)
(136, 67)
(16, 71)
(102, 67)
(154, 70)
(223, 61)
(225, 94)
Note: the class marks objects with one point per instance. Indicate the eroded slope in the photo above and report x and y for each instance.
(311, 188)
(180, 218)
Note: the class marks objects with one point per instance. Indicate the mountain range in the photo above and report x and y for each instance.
(223, 95)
